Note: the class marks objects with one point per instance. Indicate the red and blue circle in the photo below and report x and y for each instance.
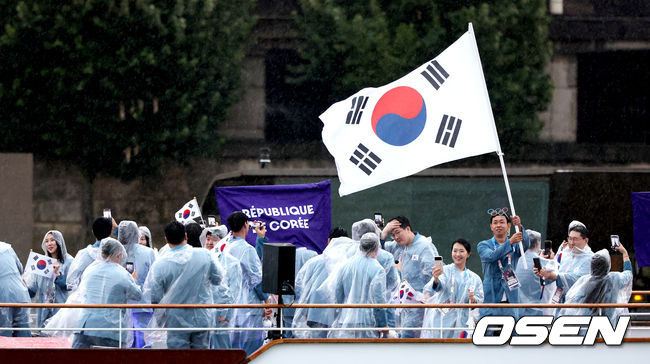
(399, 116)
(186, 214)
(41, 264)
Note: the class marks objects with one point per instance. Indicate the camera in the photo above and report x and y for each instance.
(615, 242)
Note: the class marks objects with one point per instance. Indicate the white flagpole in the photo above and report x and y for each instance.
(496, 136)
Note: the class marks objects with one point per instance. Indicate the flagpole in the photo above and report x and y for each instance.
(496, 136)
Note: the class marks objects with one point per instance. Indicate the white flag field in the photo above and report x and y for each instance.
(188, 212)
(40, 264)
(438, 113)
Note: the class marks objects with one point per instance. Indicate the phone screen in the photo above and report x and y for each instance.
(107, 213)
(129, 267)
(378, 217)
(438, 260)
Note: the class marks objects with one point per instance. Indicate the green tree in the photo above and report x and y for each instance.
(370, 43)
(118, 86)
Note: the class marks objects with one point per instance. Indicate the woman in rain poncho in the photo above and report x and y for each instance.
(453, 283)
(105, 281)
(602, 286)
(361, 280)
(51, 290)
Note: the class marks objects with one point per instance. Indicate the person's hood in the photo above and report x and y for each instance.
(59, 241)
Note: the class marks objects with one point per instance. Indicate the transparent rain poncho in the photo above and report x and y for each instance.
(600, 286)
(50, 290)
(12, 290)
(417, 263)
(68, 317)
(145, 231)
(575, 263)
(184, 275)
(226, 292)
(82, 260)
(361, 280)
(384, 258)
(141, 256)
(251, 267)
(309, 280)
(453, 287)
(107, 282)
(531, 290)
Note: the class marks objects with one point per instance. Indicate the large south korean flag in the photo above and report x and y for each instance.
(438, 113)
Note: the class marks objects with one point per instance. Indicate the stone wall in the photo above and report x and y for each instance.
(16, 181)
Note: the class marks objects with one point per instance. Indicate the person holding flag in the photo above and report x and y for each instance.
(499, 259)
(54, 289)
(415, 262)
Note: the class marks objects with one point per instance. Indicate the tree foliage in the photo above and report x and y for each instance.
(349, 46)
(118, 86)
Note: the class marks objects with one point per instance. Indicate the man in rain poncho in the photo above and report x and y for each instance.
(51, 290)
(104, 282)
(415, 255)
(531, 290)
(251, 268)
(575, 262)
(102, 228)
(141, 258)
(315, 284)
(361, 280)
(12, 290)
(184, 275)
(385, 259)
(227, 292)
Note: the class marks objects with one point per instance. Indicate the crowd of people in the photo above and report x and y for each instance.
(216, 265)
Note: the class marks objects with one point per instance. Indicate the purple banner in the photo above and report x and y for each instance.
(297, 214)
(641, 208)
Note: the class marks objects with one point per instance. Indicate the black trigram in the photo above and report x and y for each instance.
(358, 104)
(449, 126)
(366, 160)
(435, 70)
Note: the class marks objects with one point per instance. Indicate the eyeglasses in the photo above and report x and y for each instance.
(573, 238)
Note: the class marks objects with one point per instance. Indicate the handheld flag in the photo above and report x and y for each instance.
(438, 113)
(40, 264)
(189, 212)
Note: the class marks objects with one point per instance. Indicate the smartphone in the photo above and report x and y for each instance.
(547, 247)
(379, 219)
(107, 213)
(537, 263)
(438, 261)
(614, 239)
(212, 220)
(129, 267)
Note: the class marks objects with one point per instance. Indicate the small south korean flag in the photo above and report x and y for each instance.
(188, 212)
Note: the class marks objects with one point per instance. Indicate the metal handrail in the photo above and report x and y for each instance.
(332, 305)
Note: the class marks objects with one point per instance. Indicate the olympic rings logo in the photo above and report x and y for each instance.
(495, 212)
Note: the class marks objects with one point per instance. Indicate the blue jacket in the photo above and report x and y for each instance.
(494, 284)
